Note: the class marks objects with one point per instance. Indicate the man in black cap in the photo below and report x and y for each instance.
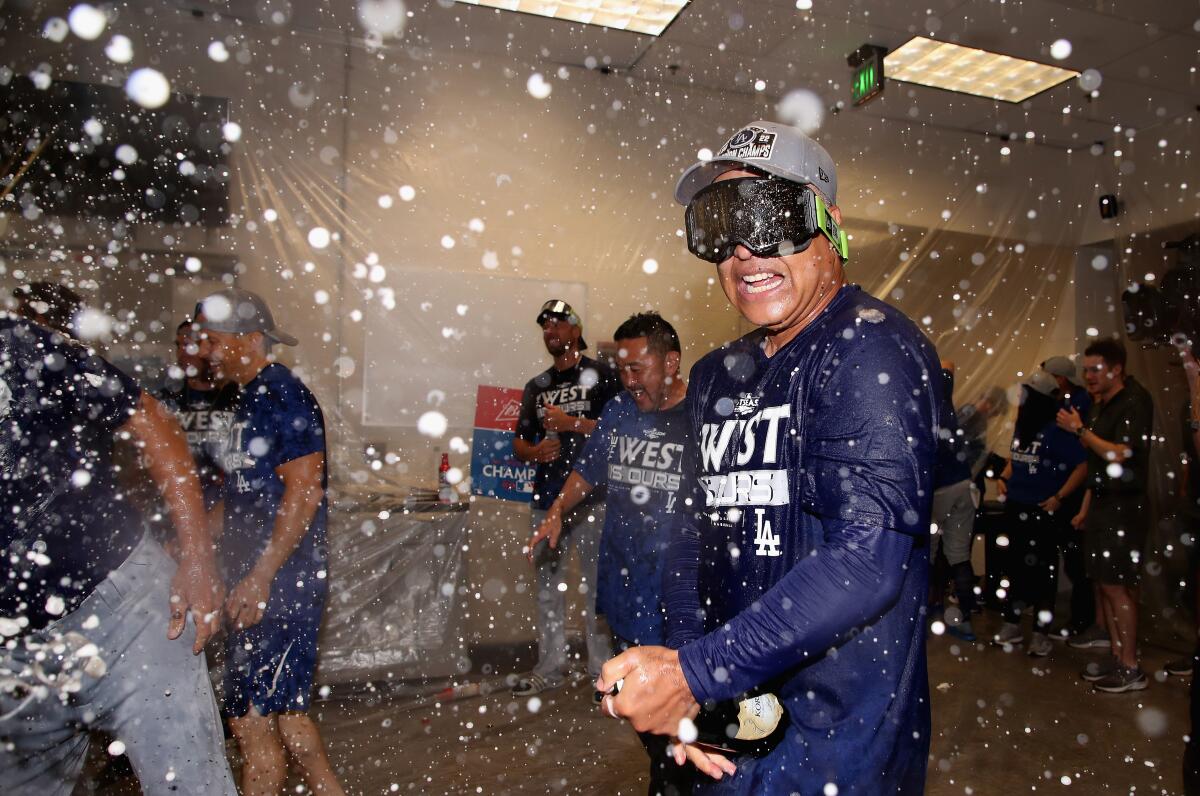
(558, 411)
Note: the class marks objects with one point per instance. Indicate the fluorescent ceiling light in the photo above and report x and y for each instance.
(970, 71)
(638, 16)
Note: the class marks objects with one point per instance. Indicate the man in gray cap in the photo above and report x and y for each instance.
(559, 409)
(801, 551)
(272, 546)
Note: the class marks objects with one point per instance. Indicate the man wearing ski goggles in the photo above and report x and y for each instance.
(770, 216)
(809, 476)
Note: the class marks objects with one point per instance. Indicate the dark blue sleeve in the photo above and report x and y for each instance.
(96, 391)
(681, 570)
(871, 433)
(851, 579)
(592, 464)
(529, 427)
(300, 423)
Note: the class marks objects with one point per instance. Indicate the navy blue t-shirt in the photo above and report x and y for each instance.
(805, 568)
(66, 524)
(1043, 463)
(205, 417)
(277, 420)
(580, 391)
(638, 456)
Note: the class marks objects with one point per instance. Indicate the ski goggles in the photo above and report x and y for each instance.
(770, 217)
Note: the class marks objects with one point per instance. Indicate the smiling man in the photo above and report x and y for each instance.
(272, 546)
(801, 565)
(559, 410)
(635, 453)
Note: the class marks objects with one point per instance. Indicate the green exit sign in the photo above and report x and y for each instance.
(868, 81)
(867, 63)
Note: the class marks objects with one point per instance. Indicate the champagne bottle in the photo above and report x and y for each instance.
(752, 726)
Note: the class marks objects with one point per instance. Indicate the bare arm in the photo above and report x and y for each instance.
(170, 465)
(573, 493)
(302, 495)
(1074, 481)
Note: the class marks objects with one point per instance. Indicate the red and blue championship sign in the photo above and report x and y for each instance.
(495, 471)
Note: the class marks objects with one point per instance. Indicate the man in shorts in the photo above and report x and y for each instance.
(800, 565)
(272, 546)
(1116, 435)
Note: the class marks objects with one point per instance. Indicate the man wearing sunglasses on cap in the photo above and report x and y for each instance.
(802, 567)
(559, 410)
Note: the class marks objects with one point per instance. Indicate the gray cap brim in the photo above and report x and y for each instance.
(280, 336)
(776, 149)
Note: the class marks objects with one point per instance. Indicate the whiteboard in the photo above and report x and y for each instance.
(449, 333)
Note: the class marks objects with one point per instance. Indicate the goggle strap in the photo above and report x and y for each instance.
(836, 235)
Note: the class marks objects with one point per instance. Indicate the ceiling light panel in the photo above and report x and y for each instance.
(970, 71)
(637, 16)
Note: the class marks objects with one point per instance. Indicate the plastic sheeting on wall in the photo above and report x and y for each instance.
(393, 609)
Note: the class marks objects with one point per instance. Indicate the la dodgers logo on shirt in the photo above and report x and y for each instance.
(753, 436)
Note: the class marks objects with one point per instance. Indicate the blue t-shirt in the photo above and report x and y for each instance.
(66, 524)
(638, 456)
(1042, 464)
(277, 420)
(803, 567)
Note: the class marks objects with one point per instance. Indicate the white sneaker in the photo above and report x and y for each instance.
(1040, 645)
(1009, 635)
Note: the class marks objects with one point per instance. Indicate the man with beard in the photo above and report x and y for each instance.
(801, 566)
(559, 410)
(203, 407)
(272, 546)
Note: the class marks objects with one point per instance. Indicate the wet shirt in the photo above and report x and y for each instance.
(806, 564)
(1042, 465)
(1126, 418)
(277, 420)
(205, 417)
(66, 524)
(638, 456)
(580, 391)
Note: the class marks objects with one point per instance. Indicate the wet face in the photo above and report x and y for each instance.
(559, 335)
(231, 355)
(1098, 377)
(188, 353)
(646, 375)
(780, 293)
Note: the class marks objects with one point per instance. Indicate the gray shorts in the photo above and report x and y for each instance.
(1113, 535)
(109, 666)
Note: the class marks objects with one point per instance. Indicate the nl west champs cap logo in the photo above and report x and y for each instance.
(751, 142)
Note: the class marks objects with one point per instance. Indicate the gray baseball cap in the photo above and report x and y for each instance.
(1062, 366)
(774, 148)
(1042, 382)
(237, 311)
